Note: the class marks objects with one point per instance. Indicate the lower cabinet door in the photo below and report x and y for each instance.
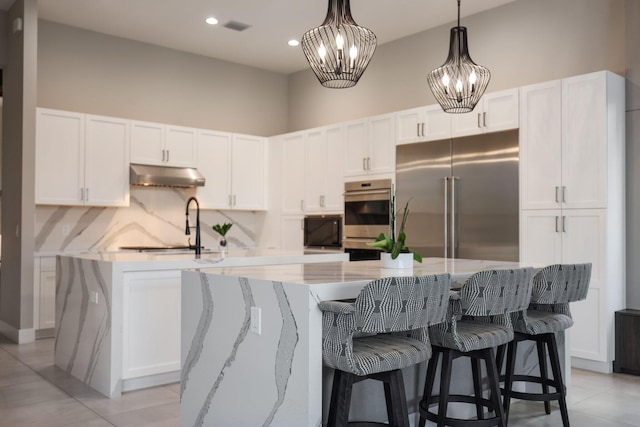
(47, 300)
(151, 323)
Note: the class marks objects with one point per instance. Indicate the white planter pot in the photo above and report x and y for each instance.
(403, 260)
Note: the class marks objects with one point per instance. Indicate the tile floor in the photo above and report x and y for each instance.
(33, 393)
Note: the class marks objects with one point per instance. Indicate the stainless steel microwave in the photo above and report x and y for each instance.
(323, 231)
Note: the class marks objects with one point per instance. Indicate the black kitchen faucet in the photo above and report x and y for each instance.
(187, 230)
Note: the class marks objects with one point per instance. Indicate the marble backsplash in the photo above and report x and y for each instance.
(155, 216)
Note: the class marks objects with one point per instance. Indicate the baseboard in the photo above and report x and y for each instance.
(45, 333)
(19, 336)
(591, 365)
(150, 381)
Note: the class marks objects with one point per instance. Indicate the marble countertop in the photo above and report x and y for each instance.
(131, 260)
(362, 271)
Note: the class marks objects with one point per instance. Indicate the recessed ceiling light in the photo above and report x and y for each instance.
(211, 20)
(293, 42)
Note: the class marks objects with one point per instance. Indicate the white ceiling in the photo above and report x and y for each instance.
(179, 24)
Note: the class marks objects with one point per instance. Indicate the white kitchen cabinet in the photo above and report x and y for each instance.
(163, 145)
(234, 169)
(428, 123)
(495, 112)
(81, 159)
(292, 228)
(293, 173)
(573, 145)
(248, 172)
(324, 170)
(572, 171)
(214, 163)
(151, 323)
(370, 146)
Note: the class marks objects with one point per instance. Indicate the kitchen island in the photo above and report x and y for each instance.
(118, 314)
(252, 343)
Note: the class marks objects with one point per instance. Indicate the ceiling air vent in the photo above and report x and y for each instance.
(236, 26)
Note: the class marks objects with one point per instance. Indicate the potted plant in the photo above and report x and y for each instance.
(222, 230)
(396, 253)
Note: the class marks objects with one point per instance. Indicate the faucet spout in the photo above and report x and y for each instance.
(198, 246)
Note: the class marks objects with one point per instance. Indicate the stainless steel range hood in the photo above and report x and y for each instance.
(164, 176)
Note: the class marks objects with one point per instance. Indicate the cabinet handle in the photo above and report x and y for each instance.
(86, 194)
(302, 205)
(368, 163)
(364, 163)
(484, 119)
(234, 200)
(557, 200)
(163, 155)
(479, 121)
(322, 201)
(422, 129)
(82, 194)
(167, 155)
(557, 228)
(417, 129)
(564, 224)
(564, 191)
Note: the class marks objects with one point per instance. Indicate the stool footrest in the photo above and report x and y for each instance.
(459, 422)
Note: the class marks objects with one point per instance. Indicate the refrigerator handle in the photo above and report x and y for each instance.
(446, 215)
(453, 216)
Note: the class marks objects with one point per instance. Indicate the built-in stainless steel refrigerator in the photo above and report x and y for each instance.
(463, 196)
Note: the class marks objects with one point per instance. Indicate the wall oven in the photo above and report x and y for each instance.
(366, 215)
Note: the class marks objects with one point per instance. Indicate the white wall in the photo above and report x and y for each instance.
(81, 70)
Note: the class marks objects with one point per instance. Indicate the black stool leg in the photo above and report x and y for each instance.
(445, 382)
(428, 385)
(397, 410)
(508, 382)
(500, 357)
(544, 376)
(494, 383)
(557, 375)
(477, 387)
(340, 399)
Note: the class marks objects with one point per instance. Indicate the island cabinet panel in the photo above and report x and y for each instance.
(495, 112)
(370, 146)
(163, 145)
(151, 323)
(572, 144)
(81, 159)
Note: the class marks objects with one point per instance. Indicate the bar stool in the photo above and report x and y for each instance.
(378, 334)
(554, 287)
(478, 321)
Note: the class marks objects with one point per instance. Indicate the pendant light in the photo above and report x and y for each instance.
(339, 50)
(459, 83)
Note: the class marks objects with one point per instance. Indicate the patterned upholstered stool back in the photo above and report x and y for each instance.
(561, 284)
(497, 292)
(398, 304)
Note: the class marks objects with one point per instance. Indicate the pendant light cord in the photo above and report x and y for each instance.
(458, 13)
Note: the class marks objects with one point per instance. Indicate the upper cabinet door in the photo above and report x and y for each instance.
(180, 146)
(382, 151)
(147, 143)
(214, 162)
(106, 161)
(334, 185)
(495, 112)
(293, 173)
(540, 146)
(584, 141)
(410, 126)
(248, 179)
(59, 157)
(356, 148)
(316, 171)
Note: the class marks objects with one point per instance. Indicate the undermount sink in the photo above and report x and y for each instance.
(165, 249)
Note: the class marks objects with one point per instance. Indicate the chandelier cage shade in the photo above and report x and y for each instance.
(339, 50)
(459, 83)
